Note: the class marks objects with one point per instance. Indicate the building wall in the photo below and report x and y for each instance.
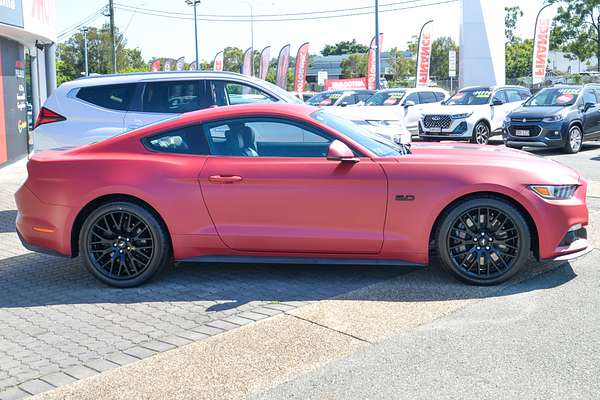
(13, 102)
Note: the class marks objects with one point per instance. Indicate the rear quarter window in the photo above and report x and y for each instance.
(114, 97)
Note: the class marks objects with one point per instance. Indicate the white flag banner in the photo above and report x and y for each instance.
(541, 43)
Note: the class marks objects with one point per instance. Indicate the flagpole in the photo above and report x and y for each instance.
(377, 53)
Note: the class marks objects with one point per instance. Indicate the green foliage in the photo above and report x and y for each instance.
(518, 58)
(355, 65)
(510, 22)
(402, 68)
(344, 47)
(576, 28)
(70, 55)
(439, 56)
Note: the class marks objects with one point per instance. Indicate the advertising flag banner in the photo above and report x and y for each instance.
(541, 43)
(180, 64)
(301, 68)
(371, 66)
(283, 63)
(168, 64)
(247, 62)
(193, 66)
(424, 54)
(265, 59)
(218, 62)
(155, 66)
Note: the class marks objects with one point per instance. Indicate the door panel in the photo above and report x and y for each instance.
(304, 205)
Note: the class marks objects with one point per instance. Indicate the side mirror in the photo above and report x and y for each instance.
(409, 103)
(344, 104)
(338, 151)
(587, 106)
(497, 102)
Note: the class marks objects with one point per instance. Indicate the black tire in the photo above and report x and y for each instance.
(497, 255)
(481, 133)
(126, 234)
(574, 140)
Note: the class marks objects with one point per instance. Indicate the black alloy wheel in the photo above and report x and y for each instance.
(123, 245)
(481, 133)
(484, 241)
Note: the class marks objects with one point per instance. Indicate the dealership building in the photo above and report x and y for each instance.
(27, 70)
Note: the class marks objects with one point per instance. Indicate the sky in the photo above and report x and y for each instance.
(173, 38)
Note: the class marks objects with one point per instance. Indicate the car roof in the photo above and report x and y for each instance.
(493, 87)
(421, 89)
(135, 77)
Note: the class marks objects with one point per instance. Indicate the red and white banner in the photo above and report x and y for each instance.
(218, 62)
(424, 54)
(346, 84)
(247, 62)
(541, 43)
(168, 66)
(265, 60)
(283, 64)
(180, 64)
(155, 66)
(372, 64)
(301, 68)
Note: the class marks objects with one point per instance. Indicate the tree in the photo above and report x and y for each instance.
(518, 58)
(511, 17)
(402, 68)
(439, 56)
(355, 65)
(576, 29)
(232, 59)
(345, 47)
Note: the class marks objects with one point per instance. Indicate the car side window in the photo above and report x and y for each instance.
(525, 94)
(229, 93)
(427, 97)
(513, 96)
(439, 96)
(412, 97)
(500, 95)
(589, 97)
(364, 97)
(175, 97)
(113, 97)
(187, 140)
(266, 137)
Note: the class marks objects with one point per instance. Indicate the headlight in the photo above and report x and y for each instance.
(553, 118)
(507, 119)
(555, 192)
(461, 116)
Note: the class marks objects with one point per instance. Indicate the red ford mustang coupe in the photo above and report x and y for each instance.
(292, 184)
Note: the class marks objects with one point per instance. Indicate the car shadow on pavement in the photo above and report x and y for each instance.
(39, 280)
(557, 152)
(7, 221)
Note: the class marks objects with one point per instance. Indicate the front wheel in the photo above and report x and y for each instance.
(574, 140)
(481, 133)
(123, 245)
(483, 241)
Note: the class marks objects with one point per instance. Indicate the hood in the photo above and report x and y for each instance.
(363, 113)
(532, 169)
(447, 110)
(535, 112)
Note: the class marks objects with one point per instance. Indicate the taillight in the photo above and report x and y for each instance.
(47, 116)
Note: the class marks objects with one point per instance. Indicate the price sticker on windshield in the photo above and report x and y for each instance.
(482, 93)
(571, 91)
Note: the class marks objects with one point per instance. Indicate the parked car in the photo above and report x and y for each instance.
(339, 98)
(91, 109)
(557, 117)
(394, 113)
(295, 184)
(474, 113)
(304, 96)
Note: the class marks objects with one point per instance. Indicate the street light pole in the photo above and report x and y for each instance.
(377, 53)
(195, 3)
(85, 30)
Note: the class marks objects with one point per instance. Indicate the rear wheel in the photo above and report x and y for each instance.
(123, 245)
(483, 241)
(481, 133)
(574, 140)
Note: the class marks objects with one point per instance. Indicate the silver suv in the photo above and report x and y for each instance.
(91, 109)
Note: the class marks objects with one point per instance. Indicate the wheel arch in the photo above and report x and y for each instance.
(105, 199)
(535, 246)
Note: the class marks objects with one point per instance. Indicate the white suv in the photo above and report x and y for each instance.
(393, 112)
(473, 113)
(92, 109)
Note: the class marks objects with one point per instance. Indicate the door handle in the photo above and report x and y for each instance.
(224, 178)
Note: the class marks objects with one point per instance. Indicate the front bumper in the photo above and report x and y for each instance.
(538, 134)
(457, 129)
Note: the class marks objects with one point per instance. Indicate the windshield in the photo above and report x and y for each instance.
(378, 145)
(470, 97)
(391, 98)
(325, 99)
(557, 97)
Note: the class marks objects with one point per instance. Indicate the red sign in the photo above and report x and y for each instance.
(371, 66)
(542, 44)
(345, 84)
(424, 54)
(155, 66)
(301, 67)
